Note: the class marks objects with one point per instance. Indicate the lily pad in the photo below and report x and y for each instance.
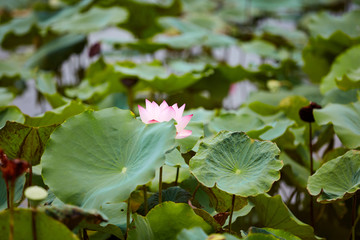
(168, 219)
(237, 164)
(337, 179)
(343, 117)
(45, 226)
(114, 154)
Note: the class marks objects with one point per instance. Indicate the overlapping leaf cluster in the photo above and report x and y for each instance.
(249, 159)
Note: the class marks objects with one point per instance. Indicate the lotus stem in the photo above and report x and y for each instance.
(145, 200)
(177, 175)
(160, 184)
(311, 173)
(131, 99)
(30, 181)
(7, 194)
(33, 223)
(353, 217)
(232, 211)
(85, 235)
(128, 217)
(195, 191)
(12, 193)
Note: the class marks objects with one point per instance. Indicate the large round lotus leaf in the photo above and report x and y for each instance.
(197, 233)
(45, 226)
(343, 117)
(237, 164)
(337, 179)
(99, 157)
(168, 219)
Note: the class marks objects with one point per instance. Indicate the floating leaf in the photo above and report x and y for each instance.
(337, 179)
(343, 118)
(237, 164)
(273, 213)
(45, 226)
(168, 219)
(24, 142)
(118, 150)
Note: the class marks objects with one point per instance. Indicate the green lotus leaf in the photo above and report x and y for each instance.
(344, 63)
(188, 143)
(146, 24)
(174, 194)
(6, 97)
(93, 20)
(24, 142)
(273, 213)
(337, 179)
(237, 164)
(57, 115)
(19, 187)
(326, 24)
(169, 175)
(297, 173)
(222, 201)
(339, 96)
(175, 159)
(269, 233)
(351, 80)
(168, 219)
(142, 229)
(198, 233)
(114, 154)
(10, 113)
(233, 122)
(343, 118)
(45, 226)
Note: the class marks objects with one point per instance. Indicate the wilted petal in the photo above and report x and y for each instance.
(183, 134)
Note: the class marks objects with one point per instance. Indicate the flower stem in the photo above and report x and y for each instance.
(145, 200)
(311, 173)
(177, 175)
(232, 211)
(33, 223)
(12, 193)
(130, 97)
(29, 183)
(160, 184)
(7, 194)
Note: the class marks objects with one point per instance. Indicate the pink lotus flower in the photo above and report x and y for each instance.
(164, 113)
